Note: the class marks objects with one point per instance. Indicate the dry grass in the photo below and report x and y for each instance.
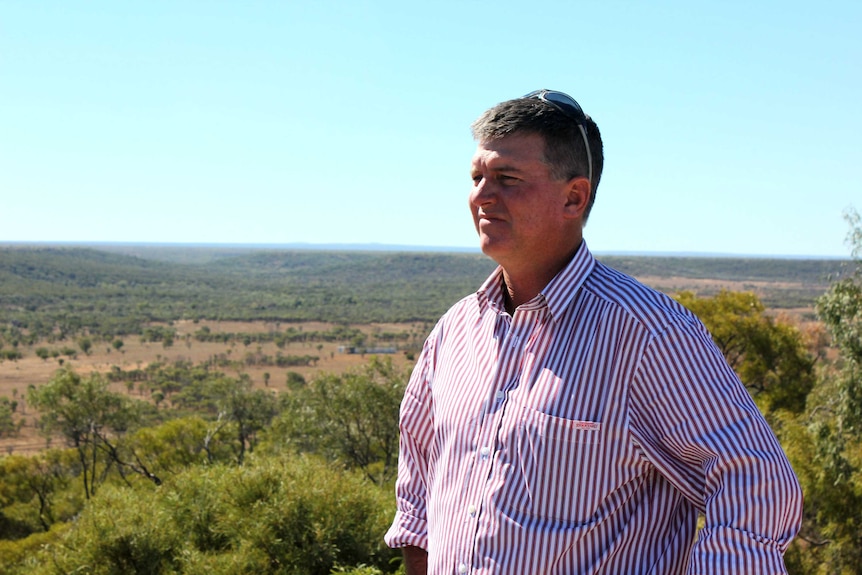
(17, 376)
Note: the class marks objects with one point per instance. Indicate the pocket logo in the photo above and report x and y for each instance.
(587, 425)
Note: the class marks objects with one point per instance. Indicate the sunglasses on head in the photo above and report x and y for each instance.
(568, 106)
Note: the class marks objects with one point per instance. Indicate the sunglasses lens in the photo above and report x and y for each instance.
(565, 102)
(567, 105)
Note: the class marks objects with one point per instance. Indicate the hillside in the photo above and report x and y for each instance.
(67, 289)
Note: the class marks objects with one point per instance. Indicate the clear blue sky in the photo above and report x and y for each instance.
(729, 127)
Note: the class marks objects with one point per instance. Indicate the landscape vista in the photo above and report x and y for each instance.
(150, 395)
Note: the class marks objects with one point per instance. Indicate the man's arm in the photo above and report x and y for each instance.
(698, 425)
(415, 560)
(409, 528)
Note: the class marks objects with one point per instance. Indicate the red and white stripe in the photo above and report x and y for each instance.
(583, 435)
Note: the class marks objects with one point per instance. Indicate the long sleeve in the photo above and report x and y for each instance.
(410, 526)
(696, 423)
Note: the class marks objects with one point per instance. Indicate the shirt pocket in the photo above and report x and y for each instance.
(554, 467)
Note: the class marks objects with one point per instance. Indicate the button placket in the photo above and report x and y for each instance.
(510, 365)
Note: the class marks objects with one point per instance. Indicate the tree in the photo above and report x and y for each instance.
(825, 443)
(841, 311)
(35, 479)
(351, 417)
(178, 444)
(250, 410)
(770, 357)
(90, 418)
(86, 344)
(294, 380)
(7, 421)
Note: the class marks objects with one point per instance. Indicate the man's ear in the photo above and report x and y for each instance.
(578, 197)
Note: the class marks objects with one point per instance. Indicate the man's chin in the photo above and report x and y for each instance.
(491, 247)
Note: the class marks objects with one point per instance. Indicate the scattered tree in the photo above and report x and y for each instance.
(7, 420)
(250, 410)
(86, 345)
(91, 419)
(351, 417)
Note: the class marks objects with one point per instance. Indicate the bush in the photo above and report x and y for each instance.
(273, 515)
(24, 555)
(10, 354)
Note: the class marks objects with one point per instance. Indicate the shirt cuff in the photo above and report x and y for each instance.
(407, 531)
(728, 550)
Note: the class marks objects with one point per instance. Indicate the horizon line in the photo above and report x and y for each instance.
(381, 247)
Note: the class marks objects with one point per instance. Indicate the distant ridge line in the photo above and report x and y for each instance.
(376, 247)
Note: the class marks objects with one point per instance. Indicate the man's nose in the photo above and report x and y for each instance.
(482, 192)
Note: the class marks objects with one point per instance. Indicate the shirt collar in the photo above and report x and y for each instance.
(557, 295)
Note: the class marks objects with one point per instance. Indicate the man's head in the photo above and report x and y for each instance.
(558, 119)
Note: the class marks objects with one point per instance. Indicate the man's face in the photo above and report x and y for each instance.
(520, 212)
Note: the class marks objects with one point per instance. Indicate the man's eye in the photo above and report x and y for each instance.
(476, 179)
(504, 179)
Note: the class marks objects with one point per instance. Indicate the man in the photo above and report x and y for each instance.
(566, 419)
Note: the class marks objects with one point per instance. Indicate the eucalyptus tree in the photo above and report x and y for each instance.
(248, 410)
(351, 418)
(92, 420)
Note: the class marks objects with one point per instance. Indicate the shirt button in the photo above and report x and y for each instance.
(501, 395)
(485, 452)
(472, 510)
(462, 569)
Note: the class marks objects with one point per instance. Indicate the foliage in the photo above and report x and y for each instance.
(29, 490)
(769, 357)
(89, 417)
(273, 515)
(10, 354)
(351, 418)
(86, 344)
(55, 293)
(180, 444)
(19, 557)
(825, 443)
(7, 421)
(248, 409)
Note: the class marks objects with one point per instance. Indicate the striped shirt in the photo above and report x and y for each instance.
(583, 434)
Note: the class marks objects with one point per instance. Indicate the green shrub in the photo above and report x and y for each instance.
(23, 556)
(272, 515)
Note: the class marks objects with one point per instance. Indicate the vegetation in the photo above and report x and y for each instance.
(55, 294)
(349, 419)
(7, 421)
(274, 515)
(825, 442)
(770, 357)
(192, 494)
(85, 296)
(90, 418)
(201, 472)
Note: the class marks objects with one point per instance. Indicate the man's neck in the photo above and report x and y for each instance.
(520, 285)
